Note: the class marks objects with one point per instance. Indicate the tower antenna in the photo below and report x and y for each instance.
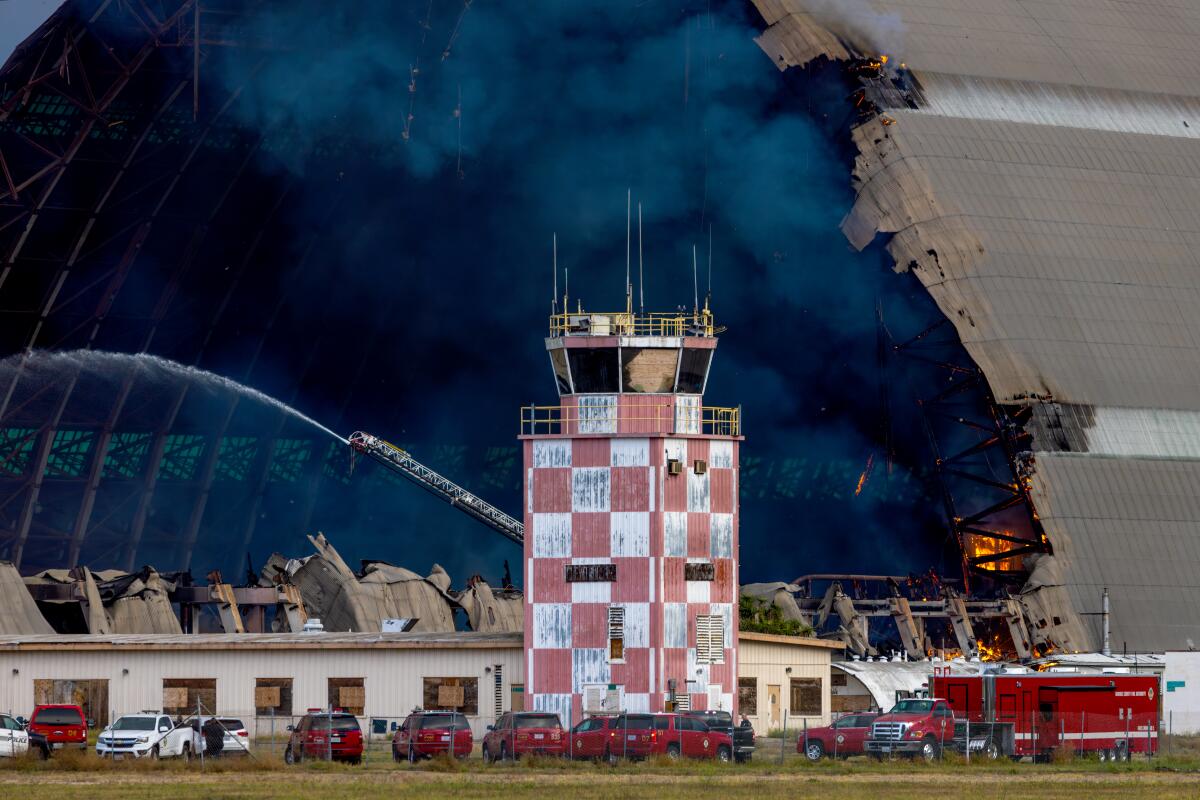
(554, 296)
(695, 283)
(708, 296)
(641, 277)
(628, 252)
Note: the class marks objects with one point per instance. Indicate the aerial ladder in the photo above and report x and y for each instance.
(402, 462)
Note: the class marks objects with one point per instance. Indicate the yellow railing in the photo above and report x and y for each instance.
(611, 418)
(625, 323)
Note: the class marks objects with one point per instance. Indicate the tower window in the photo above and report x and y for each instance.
(616, 633)
(710, 639)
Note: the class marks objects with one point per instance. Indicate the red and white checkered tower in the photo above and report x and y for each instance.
(631, 520)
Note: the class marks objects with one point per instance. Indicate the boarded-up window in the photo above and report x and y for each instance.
(182, 696)
(710, 639)
(90, 695)
(587, 573)
(698, 571)
(806, 697)
(273, 696)
(616, 633)
(348, 694)
(452, 694)
(748, 696)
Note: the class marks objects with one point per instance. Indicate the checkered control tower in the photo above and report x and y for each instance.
(631, 520)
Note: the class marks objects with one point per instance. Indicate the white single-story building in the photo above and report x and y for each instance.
(270, 679)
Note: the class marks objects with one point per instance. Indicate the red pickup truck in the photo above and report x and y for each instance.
(845, 737)
(62, 725)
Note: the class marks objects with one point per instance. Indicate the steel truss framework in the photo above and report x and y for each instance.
(981, 460)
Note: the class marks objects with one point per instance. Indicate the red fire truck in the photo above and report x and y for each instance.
(1026, 713)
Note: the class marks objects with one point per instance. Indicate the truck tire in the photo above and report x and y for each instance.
(290, 756)
(814, 750)
(724, 755)
(991, 750)
(154, 754)
(186, 752)
(929, 749)
(673, 752)
(503, 751)
(487, 755)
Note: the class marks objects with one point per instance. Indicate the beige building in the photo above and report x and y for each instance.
(784, 678)
(272, 678)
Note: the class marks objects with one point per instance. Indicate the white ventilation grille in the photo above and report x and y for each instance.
(616, 633)
(710, 639)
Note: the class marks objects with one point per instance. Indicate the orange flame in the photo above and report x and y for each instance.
(866, 474)
(978, 546)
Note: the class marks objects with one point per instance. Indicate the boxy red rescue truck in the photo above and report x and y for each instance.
(1027, 713)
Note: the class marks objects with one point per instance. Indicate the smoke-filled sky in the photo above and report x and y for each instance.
(451, 140)
(501, 124)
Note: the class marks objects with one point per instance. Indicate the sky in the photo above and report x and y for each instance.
(18, 19)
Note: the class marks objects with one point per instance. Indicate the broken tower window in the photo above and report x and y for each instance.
(616, 633)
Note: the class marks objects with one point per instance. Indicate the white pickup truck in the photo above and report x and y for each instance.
(150, 733)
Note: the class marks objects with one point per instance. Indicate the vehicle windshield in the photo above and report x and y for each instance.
(57, 716)
(441, 722)
(134, 724)
(342, 722)
(536, 721)
(912, 707)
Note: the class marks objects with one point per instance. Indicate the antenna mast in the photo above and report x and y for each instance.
(695, 284)
(628, 253)
(708, 296)
(554, 296)
(641, 279)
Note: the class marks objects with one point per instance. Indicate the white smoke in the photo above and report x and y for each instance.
(860, 23)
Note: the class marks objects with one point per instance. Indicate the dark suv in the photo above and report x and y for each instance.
(425, 734)
(722, 722)
(325, 735)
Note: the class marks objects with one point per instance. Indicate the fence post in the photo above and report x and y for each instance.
(967, 741)
(1082, 728)
(200, 729)
(571, 731)
(272, 731)
(1149, 744)
(329, 735)
(836, 736)
(1170, 729)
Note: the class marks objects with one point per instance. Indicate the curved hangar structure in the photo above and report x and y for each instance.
(1037, 167)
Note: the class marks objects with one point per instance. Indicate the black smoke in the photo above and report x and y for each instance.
(433, 149)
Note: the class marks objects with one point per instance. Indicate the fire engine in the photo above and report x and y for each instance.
(1025, 713)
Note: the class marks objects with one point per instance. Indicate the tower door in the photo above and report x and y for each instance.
(773, 698)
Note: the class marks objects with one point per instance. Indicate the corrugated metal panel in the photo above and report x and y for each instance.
(698, 491)
(687, 414)
(1046, 191)
(597, 413)
(630, 452)
(720, 454)
(589, 665)
(551, 625)
(590, 489)
(721, 532)
(637, 624)
(675, 625)
(630, 533)
(551, 535)
(551, 453)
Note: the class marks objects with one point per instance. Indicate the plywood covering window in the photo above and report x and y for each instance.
(349, 694)
(90, 695)
(616, 633)
(748, 696)
(710, 639)
(181, 695)
(806, 697)
(648, 369)
(273, 696)
(451, 694)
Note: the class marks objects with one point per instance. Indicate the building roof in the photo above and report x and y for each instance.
(795, 641)
(1044, 186)
(266, 641)
(884, 678)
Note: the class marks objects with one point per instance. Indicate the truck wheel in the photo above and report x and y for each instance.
(154, 752)
(186, 752)
(412, 756)
(929, 749)
(290, 756)
(991, 750)
(814, 750)
(1122, 752)
(503, 751)
(487, 755)
(723, 754)
(673, 752)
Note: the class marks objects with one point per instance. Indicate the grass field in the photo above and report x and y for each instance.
(84, 776)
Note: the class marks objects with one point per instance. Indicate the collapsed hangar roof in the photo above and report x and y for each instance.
(1045, 188)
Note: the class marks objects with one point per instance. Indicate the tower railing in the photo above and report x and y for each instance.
(625, 323)
(613, 418)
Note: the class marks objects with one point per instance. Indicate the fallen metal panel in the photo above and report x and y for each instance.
(18, 613)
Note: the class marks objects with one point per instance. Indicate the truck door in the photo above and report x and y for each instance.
(957, 694)
(1026, 726)
(1048, 722)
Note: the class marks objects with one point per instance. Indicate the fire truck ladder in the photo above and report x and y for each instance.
(402, 462)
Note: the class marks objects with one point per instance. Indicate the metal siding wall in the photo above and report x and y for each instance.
(393, 678)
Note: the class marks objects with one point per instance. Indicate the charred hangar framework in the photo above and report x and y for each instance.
(1036, 169)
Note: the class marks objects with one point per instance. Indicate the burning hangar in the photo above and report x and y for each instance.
(1033, 169)
(1035, 166)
